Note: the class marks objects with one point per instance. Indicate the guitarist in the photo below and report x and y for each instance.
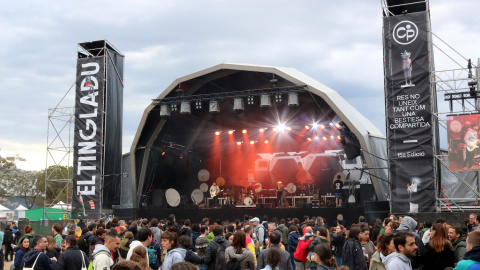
(281, 199)
(471, 141)
(214, 190)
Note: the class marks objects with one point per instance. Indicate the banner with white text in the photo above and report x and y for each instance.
(88, 137)
(409, 113)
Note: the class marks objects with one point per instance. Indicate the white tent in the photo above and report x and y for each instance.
(6, 213)
(63, 206)
(20, 211)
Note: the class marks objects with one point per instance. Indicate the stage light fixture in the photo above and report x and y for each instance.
(278, 97)
(163, 153)
(307, 127)
(331, 137)
(324, 138)
(331, 124)
(174, 107)
(275, 129)
(230, 132)
(250, 100)
(239, 143)
(322, 126)
(185, 108)
(252, 142)
(289, 128)
(198, 104)
(238, 105)
(309, 139)
(261, 130)
(244, 131)
(265, 102)
(337, 125)
(213, 107)
(293, 99)
(316, 137)
(165, 111)
(314, 125)
(266, 141)
(338, 137)
(281, 127)
(217, 133)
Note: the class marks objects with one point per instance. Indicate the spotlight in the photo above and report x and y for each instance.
(265, 102)
(217, 133)
(316, 137)
(239, 143)
(315, 125)
(338, 137)
(309, 139)
(261, 130)
(213, 107)
(198, 104)
(250, 100)
(307, 127)
(331, 124)
(165, 111)
(185, 108)
(322, 126)
(275, 129)
(324, 138)
(238, 105)
(278, 97)
(163, 153)
(289, 128)
(230, 132)
(266, 141)
(174, 107)
(331, 137)
(244, 131)
(337, 125)
(282, 127)
(293, 99)
(252, 142)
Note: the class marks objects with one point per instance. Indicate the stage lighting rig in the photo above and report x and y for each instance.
(185, 108)
(265, 102)
(293, 99)
(250, 100)
(278, 97)
(198, 104)
(238, 105)
(213, 107)
(165, 111)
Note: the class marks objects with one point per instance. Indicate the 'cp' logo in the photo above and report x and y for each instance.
(405, 32)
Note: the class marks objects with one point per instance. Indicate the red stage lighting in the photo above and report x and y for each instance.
(266, 141)
(275, 129)
(252, 142)
(261, 130)
(338, 137)
(322, 126)
(309, 139)
(307, 127)
(230, 132)
(217, 133)
(163, 153)
(239, 143)
(244, 131)
(337, 125)
(324, 138)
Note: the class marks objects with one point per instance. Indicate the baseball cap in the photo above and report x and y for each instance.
(255, 219)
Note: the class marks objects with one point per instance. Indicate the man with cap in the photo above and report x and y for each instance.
(259, 234)
(280, 194)
(275, 239)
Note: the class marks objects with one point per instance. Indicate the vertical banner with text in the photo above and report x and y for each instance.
(88, 137)
(409, 113)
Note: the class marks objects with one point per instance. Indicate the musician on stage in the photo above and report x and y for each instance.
(337, 186)
(214, 190)
(471, 140)
(280, 194)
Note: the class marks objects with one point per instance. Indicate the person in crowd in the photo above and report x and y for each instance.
(375, 230)
(190, 256)
(408, 224)
(72, 258)
(134, 229)
(384, 224)
(385, 247)
(238, 252)
(16, 233)
(320, 237)
(301, 253)
(36, 257)
(125, 244)
(284, 229)
(195, 234)
(366, 243)
(337, 244)
(274, 258)
(229, 237)
(259, 232)
(214, 246)
(292, 243)
(471, 259)
(250, 245)
(406, 250)
(169, 242)
(28, 230)
(472, 222)
(2, 259)
(102, 254)
(392, 226)
(186, 230)
(127, 265)
(53, 250)
(201, 245)
(154, 261)
(139, 255)
(8, 242)
(352, 254)
(22, 248)
(154, 228)
(439, 251)
(457, 238)
(144, 240)
(85, 240)
(99, 239)
(57, 233)
(323, 257)
(183, 266)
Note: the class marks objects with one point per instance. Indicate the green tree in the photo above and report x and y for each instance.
(59, 185)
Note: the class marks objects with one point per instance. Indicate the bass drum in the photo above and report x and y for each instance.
(248, 201)
(291, 188)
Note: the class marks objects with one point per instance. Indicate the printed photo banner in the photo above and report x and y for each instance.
(463, 142)
(409, 115)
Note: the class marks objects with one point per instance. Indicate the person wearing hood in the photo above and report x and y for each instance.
(239, 252)
(99, 239)
(195, 234)
(72, 258)
(275, 240)
(211, 253)
(337, 244)
(408, 224)
(406, 249)
(471, 260)
(319, 238)
(36, 258)
(385, 248)
(169, 242)
(190, 256)
(102, 254)
(457, 238)
(322, 255)
(352, 254)
(22, 248)
(292, 243)
(301, 253)
(144, 240)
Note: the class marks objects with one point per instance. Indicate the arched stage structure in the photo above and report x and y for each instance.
(264, 136)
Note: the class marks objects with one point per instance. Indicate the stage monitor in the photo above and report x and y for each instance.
(463, 153)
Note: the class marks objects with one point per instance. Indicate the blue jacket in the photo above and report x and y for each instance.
(18, 257)
(293, 241)
(43, 262)
(471, 260)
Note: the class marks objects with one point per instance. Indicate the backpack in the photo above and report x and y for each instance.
(152, 256)
(233, 264)
(258, 237)
(220, 263)
(83, 243)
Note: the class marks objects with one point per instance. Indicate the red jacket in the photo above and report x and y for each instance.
(301, 252)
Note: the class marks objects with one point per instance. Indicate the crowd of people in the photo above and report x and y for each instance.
(251, 244)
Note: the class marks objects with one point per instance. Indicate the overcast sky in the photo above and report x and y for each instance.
(338, 43)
